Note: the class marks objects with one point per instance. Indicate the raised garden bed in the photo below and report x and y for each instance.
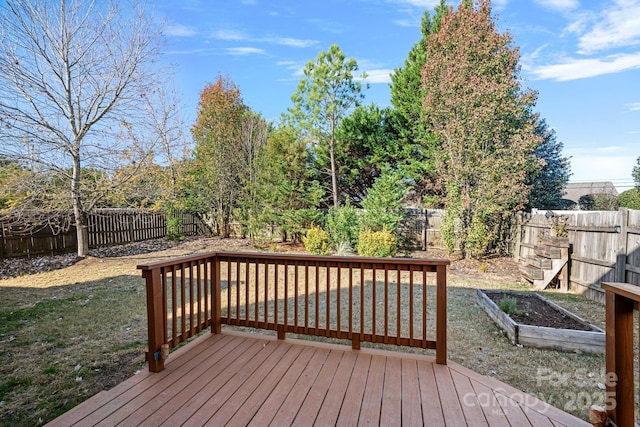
(538, 322)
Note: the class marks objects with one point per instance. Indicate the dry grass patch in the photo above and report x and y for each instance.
(67, 334)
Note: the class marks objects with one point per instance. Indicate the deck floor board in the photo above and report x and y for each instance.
(239, 379)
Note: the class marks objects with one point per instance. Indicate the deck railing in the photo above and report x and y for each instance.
(380, 300)
(621, 300)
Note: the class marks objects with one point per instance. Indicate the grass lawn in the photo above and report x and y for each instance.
(67, 334)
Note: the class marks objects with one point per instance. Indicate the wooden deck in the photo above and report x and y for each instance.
(242, 379)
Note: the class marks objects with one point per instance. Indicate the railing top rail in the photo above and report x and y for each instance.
(626, 290)
(298, 257)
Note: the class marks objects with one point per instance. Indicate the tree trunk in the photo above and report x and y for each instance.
(332, 157)
(79, 215)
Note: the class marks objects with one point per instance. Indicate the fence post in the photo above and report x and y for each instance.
(623, 239)
(519, 220)
(425, 225)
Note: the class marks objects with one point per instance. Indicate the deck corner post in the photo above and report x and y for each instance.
(216, 298)
(155, 318)
(441, 315)
(619, 355)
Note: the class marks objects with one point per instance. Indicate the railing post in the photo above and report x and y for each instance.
(216, 297)
(155, 319)
(441, 314)
(620, 303)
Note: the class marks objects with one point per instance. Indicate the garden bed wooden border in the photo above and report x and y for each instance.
(592, 341)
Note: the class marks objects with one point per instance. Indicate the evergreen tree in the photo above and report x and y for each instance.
(548, 182)
(286, 188)
(416, 159)
(323, 98)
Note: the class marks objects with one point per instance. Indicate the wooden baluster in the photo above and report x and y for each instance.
(199, 294)
(399, 305)
(174, 307)
(374, 303)
(286, 295)
(275, 294)
(386, 305)
(424, 306)
(328, 308)
(441, 315)
(317, 306)
(237, 289)
(246, 289)
(338, 300)
(411, 341)
(216, 297)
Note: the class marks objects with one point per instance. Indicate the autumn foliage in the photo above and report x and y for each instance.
(484, 124)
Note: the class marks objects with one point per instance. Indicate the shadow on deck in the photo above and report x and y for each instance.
(237, 378)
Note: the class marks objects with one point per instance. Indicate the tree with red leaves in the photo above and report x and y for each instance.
(484, 123)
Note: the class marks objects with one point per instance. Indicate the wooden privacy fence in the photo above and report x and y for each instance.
(106, 227)
(381, 300)
(605, 245)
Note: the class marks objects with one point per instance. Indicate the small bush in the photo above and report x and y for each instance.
(316, 241)
(175, 224)
(343, 249)
(509, 305)
(342, 225)
(376, 243)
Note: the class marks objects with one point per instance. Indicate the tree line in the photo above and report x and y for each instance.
(89, 127)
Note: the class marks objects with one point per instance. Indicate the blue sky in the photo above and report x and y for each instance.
(582, 56)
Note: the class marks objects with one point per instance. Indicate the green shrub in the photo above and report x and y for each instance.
(381, 207)
(630, 199)
(175, 224)
(509, 305)
(376, 243)
(316, 241)
(342, 225)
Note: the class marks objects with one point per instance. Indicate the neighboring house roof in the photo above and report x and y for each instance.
(575, 190)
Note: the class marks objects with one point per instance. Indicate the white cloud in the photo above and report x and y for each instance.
(425, 4)
(180, 30)
(233, 35)
(634, 106)
(558, 4)
(378, 76)
(616, 168)
(619, 26)
(286, 41)
(296, 67)
(229, 35)
(243, 51)
(573, 69)
(407, 22)
(499, 4)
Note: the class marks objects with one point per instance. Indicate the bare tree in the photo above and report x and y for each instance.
(73, 80)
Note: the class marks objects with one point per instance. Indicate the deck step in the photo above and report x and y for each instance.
(539, 262)
(556, 242)
(547, 252)
(531, 273)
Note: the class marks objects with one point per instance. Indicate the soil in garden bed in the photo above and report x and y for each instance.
(536, 312)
